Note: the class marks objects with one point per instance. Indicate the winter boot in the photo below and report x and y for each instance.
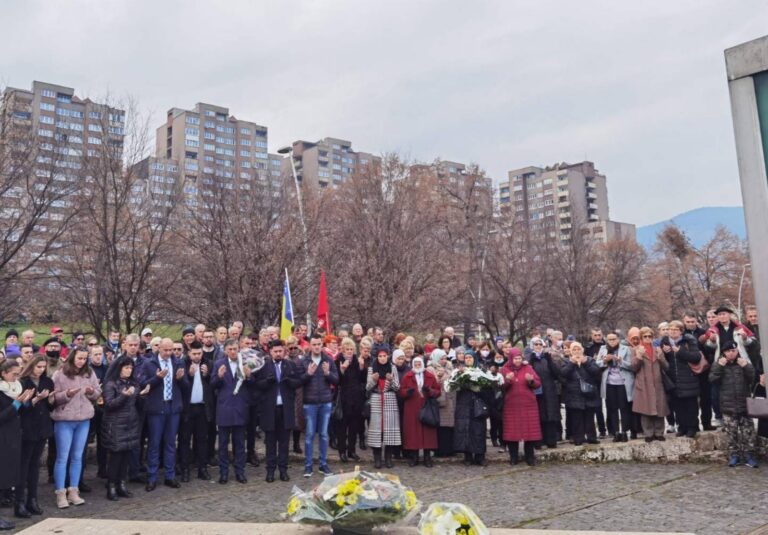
(388, 457)
(73, 496)
(112, 492)
(427, 459)
(61, 499)
(377, 458)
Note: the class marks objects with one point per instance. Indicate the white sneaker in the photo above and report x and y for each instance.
(718, 422)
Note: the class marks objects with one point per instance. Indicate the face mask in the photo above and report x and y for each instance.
(485, 352)
(53, 353)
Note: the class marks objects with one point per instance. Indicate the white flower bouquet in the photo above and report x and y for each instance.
(451, 519)
(473, 379)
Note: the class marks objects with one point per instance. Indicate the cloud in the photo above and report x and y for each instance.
(639, 88)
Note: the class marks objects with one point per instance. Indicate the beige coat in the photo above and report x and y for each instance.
(447, 400)
(650, 398)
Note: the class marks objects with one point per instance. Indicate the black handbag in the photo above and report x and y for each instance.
(338, 411)
(479, 408)
(587, 388)
(429, 414)
(667, 382)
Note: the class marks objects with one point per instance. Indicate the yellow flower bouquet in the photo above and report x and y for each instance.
(354, 502)
(451, 519)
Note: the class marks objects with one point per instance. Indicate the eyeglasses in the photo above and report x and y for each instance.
(291, 348)
(648, 336)
(91, 344)
(538, 344)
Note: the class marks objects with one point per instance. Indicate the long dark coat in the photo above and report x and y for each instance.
(417, 436)
(521, 410)
(549, 372)
(469, 432)
(10, 443)
(120, 427)
(36, 423)
(351, 393)
(265, 380)
(589, 372)
(686, 382)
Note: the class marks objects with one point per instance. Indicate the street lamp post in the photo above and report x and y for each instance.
(305, 238)
(741, 286)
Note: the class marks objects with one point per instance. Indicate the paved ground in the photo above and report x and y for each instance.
(700, 498)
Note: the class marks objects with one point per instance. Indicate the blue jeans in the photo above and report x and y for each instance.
(162, 428)
(71, 438)
(317, 417)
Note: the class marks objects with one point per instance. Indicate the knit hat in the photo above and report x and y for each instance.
(188, 330)
(729, 345)
(11, 332)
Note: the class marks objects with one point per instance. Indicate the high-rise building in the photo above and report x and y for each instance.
(59, 138)
(327, 162)
(213, 149)
(550, 202)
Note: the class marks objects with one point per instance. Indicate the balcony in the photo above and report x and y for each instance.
(592, 206)
(591, 195)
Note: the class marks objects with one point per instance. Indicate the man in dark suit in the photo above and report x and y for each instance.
(277, 381)
(165, 376)
(197, 413)
(231, 410)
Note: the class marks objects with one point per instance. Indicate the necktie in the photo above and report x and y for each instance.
(167, 382)
(277, 372)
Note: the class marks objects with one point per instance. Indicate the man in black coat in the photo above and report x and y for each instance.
(705, 388)
(596, 342)
(277, 381)
(198, 410)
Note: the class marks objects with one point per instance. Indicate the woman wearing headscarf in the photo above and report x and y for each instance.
(650, 400)
(521, 410)
(384, 426)
(548, 368)
(120, 428)
(441, 368)
(469, 430)
(418, 385)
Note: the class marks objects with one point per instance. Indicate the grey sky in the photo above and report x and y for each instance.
(637, 87)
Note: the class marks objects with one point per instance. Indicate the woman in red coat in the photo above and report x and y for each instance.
(521, 410)
(417, 385)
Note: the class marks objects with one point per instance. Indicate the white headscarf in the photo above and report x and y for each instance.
(419, 374)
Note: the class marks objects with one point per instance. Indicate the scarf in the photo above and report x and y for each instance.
(649, 351)
(419, 374)
(12, 390)
(381, 369)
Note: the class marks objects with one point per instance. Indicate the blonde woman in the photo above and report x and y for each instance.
(582, 394)
(650, 399)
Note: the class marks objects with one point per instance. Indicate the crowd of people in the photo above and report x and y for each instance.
(152, 405)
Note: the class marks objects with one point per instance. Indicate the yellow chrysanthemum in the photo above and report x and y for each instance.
(410, 500)
(340, 500)
(397, 506)
(293, 506)
(352, 499)
(471, 531)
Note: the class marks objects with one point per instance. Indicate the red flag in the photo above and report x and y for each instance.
(323, 312)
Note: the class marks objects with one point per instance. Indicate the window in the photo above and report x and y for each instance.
(189, 154)
(94, 127)
(245, 153)
(208, 158)
(94, 115)
(245, 131)
(192, 132)
(46, 120)
(191, 143)
(210, 124)
(263, 155)
(209, 135)
(209, 146)
(45, 133)
(191, 119)
(118, 117)
(225, 140)
(245, 164)
(47, 107)
(48, 93)
(157, 165)
(261, 133)
(229, 130)
(116, 130)
(94, 140)
(76, 114)
(191, 165)
(245, 176)
(245, 142)
(63, 97)
(262, 144)
(210, 113)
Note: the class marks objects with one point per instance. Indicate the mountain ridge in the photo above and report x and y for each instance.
(698, 224)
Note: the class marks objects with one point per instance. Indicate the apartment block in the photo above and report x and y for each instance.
(551, 202)
(328, 162)
(214, 149)
(60, 137)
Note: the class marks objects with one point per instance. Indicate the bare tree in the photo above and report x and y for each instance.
(118, 268)
(35, 210)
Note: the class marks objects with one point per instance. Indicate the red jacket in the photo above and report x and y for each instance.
(417, 436)
(521, 410)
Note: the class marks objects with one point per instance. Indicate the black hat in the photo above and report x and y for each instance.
(723, 308)
(729, 345)
(11, 332)
(52, 340)
(275, 343)
(188, 330)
